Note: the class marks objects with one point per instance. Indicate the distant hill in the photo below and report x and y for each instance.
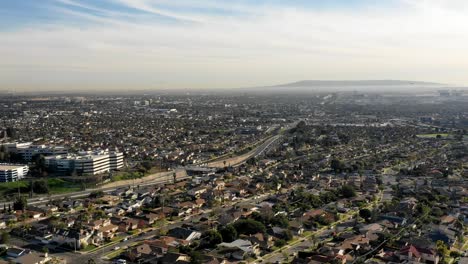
(310, 83)
(308, 86)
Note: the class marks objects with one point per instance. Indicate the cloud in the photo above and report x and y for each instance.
(253, 45)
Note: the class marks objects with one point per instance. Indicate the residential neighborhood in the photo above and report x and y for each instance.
(303, 183)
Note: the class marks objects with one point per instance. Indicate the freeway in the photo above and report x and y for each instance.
(162, 177)
(263, 147)
(234, 161)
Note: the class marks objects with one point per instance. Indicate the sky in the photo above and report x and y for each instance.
(73, 45)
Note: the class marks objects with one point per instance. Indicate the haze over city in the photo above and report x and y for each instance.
(71, 45)
(233, 132)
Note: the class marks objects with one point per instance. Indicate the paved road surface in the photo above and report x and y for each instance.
(165, 177)
(99, 255)
(243, 158)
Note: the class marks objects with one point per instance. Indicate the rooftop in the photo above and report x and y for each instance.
(10, 166)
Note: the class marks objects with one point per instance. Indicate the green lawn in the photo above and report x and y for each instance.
(13, 185)
(88, 248)
(56, 186)
(125, 175)
(10, 188)
(443, 135)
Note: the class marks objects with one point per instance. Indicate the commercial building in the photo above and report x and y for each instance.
(12, 172)
(85, 163)
(28, 151)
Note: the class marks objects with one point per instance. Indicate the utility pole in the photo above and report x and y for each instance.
(19, 192)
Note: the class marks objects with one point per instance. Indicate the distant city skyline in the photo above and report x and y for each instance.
(163, 44)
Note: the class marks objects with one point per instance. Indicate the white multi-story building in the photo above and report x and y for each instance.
(115, 160)
(85, 163)
(12, 172)
(28, 150)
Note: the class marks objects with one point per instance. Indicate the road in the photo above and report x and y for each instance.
(235, 161)
(99, 255)
(324, 233)
(165, 177)
(162, 177)
(243, 158)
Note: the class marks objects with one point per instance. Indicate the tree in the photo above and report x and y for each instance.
(336, 165)
(249, 227)
(146, 165)
(365, 213)
(288, 235)
(40, 186)
(280, 220)
(195, 257)
(422, 209)
(280, 243)
(20, 204)
(39, 161)
(347, 191)
(213, 238)
(5, 237)
(442, 248)
(228, 233)
(11, 132)
(100, 214)
(96, 194)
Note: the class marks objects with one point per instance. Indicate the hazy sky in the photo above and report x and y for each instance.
(142, 44)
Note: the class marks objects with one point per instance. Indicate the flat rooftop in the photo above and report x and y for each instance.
(10, 167)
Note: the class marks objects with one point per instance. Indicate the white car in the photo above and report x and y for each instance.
(117, 248)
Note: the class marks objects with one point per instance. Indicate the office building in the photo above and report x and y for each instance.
(12, 172)
(85, 163)
(28, 151)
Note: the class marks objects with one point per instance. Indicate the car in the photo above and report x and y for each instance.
(116, 248)
(120, 261)
(125, 239)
